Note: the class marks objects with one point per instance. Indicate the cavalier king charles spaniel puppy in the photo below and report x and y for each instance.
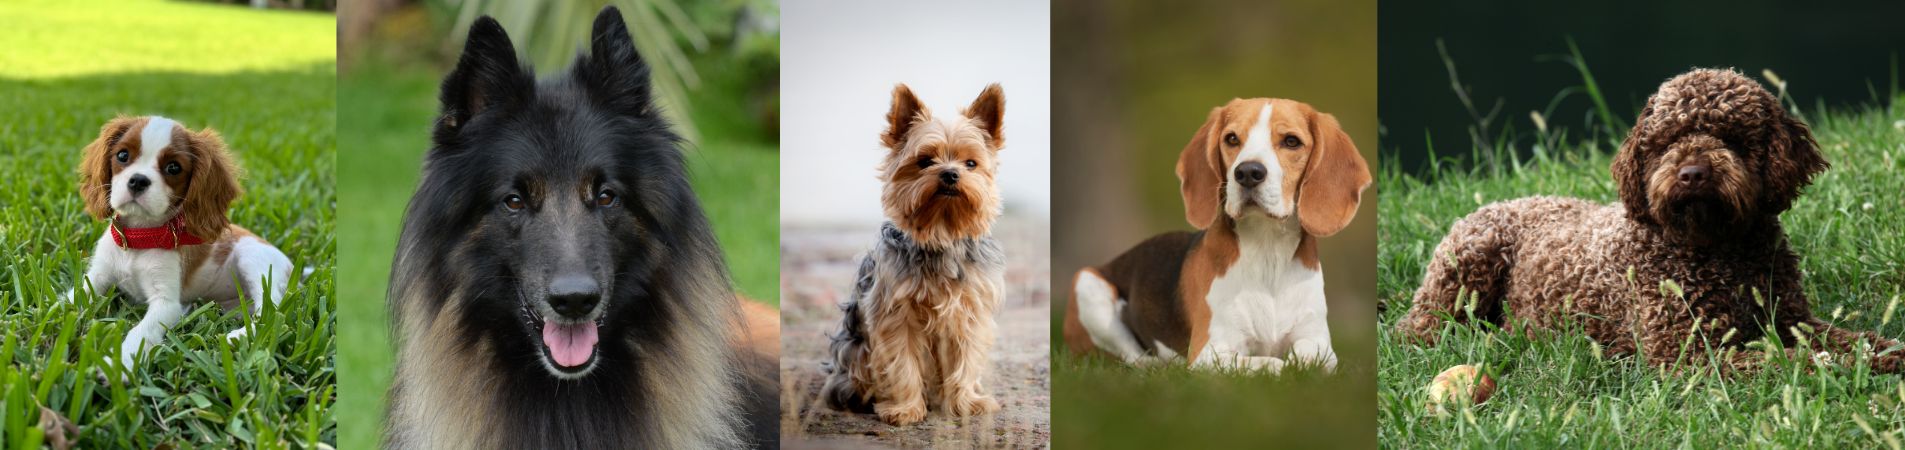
(164, 190)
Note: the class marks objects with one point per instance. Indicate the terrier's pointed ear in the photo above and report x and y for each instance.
(486, 77)
(613, 69)
(989, 111)
(907, 111)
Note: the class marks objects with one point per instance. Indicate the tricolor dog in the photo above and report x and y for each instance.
(1262, 179)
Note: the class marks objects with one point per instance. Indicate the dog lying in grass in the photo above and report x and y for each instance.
(1691, 266)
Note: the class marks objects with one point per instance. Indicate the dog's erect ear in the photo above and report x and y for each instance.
(486, 77)
(1333, 181)
(1199, 173)
(1630, 169)
(907, 111)
(212, 188)
(989, 111)
(1790, 164)
(613, 69)
(95, 167)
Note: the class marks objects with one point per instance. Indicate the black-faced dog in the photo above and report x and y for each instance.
(557, 284)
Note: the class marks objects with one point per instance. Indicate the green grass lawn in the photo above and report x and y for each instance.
(1102, 403)
(387, 113)
(265, 81)
(1555, 390)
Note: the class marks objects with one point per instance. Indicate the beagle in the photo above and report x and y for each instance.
(1262, 179)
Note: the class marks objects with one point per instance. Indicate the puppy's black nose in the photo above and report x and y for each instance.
(1250, 174)
(574, 296)
(949, 178)
(1694, 174)
(138, 183)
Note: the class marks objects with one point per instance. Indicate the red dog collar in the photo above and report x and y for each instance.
(168, 236)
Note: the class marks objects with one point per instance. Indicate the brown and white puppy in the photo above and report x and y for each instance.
(1262, 179)
(165, 189)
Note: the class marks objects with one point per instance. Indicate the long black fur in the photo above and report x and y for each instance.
(560, 139)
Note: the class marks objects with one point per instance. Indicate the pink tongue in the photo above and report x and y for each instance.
(570, 345)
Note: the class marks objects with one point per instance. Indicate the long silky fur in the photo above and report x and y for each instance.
(666, 376)
(973, 266)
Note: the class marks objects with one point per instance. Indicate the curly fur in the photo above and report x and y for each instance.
(1542, 260)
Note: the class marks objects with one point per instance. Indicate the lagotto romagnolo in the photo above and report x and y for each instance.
(1710, 164)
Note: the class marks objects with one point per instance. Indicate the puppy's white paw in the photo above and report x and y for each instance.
(237, 334)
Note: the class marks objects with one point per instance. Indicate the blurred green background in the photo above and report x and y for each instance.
(716, 66)
(265, 80)
(1138, 78)
(1513, 58)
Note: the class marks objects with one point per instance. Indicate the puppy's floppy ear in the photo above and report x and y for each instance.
(1791, 161)
(989, 111)
(1630, 169)
(1200, 175)
(95, 168)
(1333, 181)
(486, 77)
(212, 188)
(613, 69)
(906, 112)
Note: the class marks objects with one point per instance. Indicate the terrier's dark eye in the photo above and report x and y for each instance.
(606, 198)
(924, 163)
(123, 156)
(173, 168)
(514, 202)
(1231, 139)
(1291, 142)
(972, 163)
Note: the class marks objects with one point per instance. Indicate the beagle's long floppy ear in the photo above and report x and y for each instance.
(907, 111)
(989, 111)
(212, 187)
(95, 168)
(1333, 181)
(1199, 176)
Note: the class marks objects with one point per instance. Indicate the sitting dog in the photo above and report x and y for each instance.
(919, 321)
(1246, 291)
(1711, 163)
(165, 189)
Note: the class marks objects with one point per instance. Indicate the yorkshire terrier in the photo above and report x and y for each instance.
(919, 321)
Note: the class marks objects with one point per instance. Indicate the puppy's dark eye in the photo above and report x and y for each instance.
(123, 156)
(514, 202)
(924, 163)
(173, 168)
(606, 198)
(970, 163)
(1292, 142)
(1231, 139)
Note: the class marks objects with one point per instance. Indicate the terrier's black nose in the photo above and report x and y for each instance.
(574, 296)
(949, 178)
(138, 183)
(1250, 174)
(1694, 174)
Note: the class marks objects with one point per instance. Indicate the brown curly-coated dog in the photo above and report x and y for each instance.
(1709, 166)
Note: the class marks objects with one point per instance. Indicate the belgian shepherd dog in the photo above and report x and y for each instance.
(556, 284)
